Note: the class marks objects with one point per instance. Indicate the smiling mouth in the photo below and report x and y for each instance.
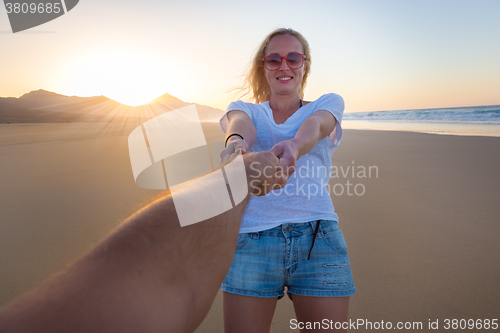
(287, 78)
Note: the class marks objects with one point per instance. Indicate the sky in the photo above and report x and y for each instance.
(376, 54)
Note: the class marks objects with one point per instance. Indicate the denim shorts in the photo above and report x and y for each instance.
(267, 261)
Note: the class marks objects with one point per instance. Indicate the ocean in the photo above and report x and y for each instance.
(471, 120)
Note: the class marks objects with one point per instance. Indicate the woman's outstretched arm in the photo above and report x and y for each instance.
(317, 126)
(149, 275)
(239, 123)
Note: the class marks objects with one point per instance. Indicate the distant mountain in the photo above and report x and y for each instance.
(168, 100)
(42, 106)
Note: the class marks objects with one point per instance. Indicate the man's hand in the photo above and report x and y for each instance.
(288, 152)
(263, 173)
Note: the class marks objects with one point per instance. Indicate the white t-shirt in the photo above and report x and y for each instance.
(305, 197)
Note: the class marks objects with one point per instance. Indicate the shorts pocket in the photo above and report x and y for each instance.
(335, 240)
(242, 241)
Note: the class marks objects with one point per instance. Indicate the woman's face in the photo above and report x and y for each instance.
(284, 80)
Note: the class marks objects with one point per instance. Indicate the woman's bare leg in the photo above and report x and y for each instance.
(247, 314)
(316, 309)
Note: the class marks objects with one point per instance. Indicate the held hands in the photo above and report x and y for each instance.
(288, 152)
(266, 171)
(262, 168)
(263, 173)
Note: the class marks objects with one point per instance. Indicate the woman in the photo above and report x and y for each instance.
(289, 237)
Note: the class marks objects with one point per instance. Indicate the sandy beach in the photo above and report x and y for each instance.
(422, 229)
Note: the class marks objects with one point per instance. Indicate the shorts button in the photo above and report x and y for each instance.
(287, 229)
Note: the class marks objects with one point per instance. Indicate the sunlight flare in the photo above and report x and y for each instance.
(130, 76)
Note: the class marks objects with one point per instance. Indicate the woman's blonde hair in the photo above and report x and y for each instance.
(255, 80)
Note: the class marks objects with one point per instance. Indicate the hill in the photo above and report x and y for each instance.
(42, 106)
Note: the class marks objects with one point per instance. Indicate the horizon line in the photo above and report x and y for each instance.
(431, 108)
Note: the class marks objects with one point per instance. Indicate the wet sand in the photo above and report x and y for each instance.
(422, 233)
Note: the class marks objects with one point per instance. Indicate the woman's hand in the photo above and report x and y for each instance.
(288, 153)
(262, 171)
(234, 147)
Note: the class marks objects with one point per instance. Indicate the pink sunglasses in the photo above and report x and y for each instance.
(294, 60)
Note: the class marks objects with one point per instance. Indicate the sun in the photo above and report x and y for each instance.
(129, 76)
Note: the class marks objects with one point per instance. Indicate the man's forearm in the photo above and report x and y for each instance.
(149, 275)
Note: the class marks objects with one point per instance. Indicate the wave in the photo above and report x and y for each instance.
(482, 114)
